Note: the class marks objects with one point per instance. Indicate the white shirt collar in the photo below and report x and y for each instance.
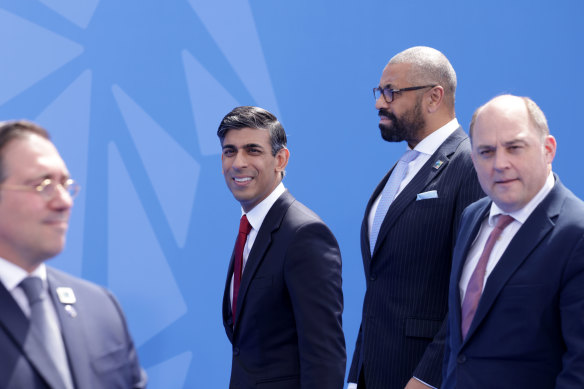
(12, 275)
(258, 213)
(430, 144)
(522, 214)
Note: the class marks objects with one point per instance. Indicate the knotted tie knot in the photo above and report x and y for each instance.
(33, 288)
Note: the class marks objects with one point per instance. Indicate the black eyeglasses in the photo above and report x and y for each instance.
(388, 93)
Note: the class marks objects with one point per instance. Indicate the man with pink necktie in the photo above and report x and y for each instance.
(516, 299)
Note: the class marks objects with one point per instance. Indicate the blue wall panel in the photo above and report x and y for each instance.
(133, 91)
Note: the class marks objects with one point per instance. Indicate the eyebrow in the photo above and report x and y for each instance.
(505, 144)
(48, 176)
(246, 146)
(514, 142)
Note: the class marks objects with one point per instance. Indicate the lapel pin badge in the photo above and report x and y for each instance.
(437, 164)
(71, 311)
(66, 295)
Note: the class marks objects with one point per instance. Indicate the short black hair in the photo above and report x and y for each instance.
(257, 118)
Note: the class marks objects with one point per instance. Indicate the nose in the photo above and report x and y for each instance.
(380, 102)
(240, 160)
(62, 199)
(501, 160)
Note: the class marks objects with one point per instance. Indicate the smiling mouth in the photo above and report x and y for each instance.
(242, 179)
(59, 224)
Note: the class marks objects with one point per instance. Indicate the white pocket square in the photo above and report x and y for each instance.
(427, 195)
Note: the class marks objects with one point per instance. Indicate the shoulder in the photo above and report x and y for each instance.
(60, 277)
(571, 212)
(462, 152)
(300, 223)
(299, 213)
(83, 289)
(476, 208)
(293, 212)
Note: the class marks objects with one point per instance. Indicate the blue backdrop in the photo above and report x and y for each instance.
(132, 92)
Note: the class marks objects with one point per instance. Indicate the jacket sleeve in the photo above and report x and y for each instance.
(313, 278)
(572, 321)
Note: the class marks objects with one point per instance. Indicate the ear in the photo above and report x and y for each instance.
(434, 98)
(549, 147)
(282, 157)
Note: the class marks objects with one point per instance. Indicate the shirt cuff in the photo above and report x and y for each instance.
(416, 378)
(352, 385)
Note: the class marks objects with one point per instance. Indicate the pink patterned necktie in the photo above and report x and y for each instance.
(244, 229)
(474, 288)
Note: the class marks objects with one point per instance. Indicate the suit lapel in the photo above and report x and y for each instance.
(227, 315)
(261, 244)
(12, 319)
(532, 232)
(72, 331)
(16, 325)
(431, 169)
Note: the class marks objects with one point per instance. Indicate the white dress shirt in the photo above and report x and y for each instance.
(11, 276)
(427, 147)
(256, 217)
(507, 235)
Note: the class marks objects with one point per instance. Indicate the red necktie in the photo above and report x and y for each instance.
(244, 229)
(474, 288)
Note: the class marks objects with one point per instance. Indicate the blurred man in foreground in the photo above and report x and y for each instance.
(56, 331)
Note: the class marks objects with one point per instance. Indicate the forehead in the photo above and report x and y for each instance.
(31, 155)
(395, 74)
(245, 136)
(503, 122)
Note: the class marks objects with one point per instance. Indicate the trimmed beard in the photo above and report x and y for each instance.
(407, 127)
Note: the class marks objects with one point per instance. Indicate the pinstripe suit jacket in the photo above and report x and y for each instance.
(407, 276)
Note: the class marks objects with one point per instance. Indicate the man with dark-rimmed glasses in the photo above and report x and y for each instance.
(56, 331)
(410, 222)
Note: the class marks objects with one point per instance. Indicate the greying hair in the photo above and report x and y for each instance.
(535, 116)
(257, 118)
(429, 67)
(13, 129)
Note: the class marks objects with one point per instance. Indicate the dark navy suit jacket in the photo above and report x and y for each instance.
(407, 277)
(288, 331)
(100, 351)
(528, 331)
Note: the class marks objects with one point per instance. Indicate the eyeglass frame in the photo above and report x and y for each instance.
(382, 91)
(70, 186)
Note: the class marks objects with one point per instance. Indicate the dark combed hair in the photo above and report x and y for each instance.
(13, 129)
(254, 117)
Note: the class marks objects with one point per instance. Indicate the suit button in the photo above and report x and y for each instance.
(461, 359)
(373, 277)
(236, 351)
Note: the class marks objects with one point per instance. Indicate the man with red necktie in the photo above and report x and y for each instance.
(283, 300)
